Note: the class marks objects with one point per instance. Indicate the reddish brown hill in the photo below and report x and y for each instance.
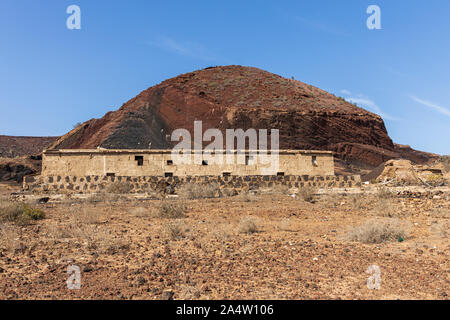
(245, 97)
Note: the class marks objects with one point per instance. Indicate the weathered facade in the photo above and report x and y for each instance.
(147, 171)
(160, 163)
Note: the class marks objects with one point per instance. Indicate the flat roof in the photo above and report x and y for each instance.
(168, 151)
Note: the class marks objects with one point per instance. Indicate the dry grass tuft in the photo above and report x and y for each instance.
(385, 208)
(357, 201)
(175, 231)
(376, 231)
(248, 225)
(172, 210)
(199, 191)
(9, 236)
(307, 193)
(330, 200)
(384, 193)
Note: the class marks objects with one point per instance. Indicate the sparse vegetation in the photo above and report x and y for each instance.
(378, 231)
(383, 193)
(356, 201)
(248, 225)
(78, 124)
(175, 231)
(9, 236)
(172, 210)
(307, 193)
(199, 191)
(385, 208)
(19, 213)
(88, 216)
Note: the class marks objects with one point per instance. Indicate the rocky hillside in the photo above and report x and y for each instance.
(11, 147)
(245, 97)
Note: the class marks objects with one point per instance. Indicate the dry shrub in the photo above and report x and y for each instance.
(384, 193)
(246, 196)
(19, 213)
(378, 231)
(9, 236)
(307, 193)
(356, 201)
(119, 187)
(175, 231)
(172, 210)
(199, 191)
(330, 200)
(93, 237)
(229, 192)
(385, 208)
(248, 225)
(222, 232)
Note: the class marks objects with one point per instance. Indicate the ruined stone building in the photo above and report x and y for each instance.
(135, 163)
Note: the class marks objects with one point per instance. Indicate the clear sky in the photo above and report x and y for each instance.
(52, 77)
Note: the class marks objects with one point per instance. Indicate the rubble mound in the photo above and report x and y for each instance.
(403, 172)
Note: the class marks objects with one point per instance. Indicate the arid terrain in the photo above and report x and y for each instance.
(269, 245)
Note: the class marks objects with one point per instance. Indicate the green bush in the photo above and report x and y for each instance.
(21, 214)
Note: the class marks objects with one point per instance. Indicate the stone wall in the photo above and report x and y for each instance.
(94, 184)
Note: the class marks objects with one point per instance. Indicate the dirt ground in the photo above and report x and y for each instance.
(266, 246)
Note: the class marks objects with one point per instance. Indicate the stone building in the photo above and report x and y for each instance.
(140, 163)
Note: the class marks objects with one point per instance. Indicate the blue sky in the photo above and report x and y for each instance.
(52, 77)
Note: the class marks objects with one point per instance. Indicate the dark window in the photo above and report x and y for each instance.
(314, 161)
(139, 160)
(110, 174)
(204, 162)
(169, 162)
(226, 174)
(280, 174)
(168, 174)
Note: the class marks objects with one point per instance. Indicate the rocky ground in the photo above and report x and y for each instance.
(264, 246)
